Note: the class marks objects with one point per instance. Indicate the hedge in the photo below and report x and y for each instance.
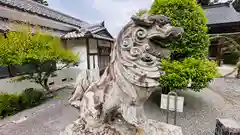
(231, 58)
(179, 74)
(188, 62)
(191, 17)
(11, 104)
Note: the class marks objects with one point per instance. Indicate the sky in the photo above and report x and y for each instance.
(115, 13)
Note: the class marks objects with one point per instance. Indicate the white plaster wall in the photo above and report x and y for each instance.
(79, 47)
(93, 46)
(96, 62)
(18, 87)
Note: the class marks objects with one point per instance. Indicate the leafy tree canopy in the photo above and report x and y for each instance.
(20, 48)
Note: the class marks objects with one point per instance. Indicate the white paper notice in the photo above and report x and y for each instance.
(180, 101)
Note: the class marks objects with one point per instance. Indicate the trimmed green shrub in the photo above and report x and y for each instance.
(191, 17)
(231, 58)
(31, 97)
(179, 74)
(188, 61)
(11, 104)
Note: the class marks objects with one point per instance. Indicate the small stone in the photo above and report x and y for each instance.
(227, 127)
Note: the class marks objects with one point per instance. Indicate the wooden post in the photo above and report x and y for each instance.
(175, 106)
(88, 58)
(64, 43)
(219, 51)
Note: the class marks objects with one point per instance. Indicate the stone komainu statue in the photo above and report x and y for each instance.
(113, 105)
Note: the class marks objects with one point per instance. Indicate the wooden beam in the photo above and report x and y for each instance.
(225, 34)
(98, 53)
(88, 58)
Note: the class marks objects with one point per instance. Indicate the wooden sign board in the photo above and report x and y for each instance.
(180, 101)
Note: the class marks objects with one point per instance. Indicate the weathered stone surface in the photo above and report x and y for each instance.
(113, 105)
(227, 127)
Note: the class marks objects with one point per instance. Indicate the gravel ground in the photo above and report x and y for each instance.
(47, 119)
(228, 88)
(220, 100)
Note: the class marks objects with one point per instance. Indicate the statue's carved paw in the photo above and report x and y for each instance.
(76, 103)
(70, 100)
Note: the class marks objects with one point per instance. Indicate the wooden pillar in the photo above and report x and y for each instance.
(88, 58)
(98, 54)
(219, 51)
(64, 43)
(110, 50)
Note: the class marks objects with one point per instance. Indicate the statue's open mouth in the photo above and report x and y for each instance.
(158, 41)
(165, 35)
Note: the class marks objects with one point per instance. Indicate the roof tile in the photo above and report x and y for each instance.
(222, 13)
(34, 7)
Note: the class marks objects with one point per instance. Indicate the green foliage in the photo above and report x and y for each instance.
(31, 97)
(191, 17)
(230, 43)
(178, 74)
(23, 47)
(231, 58)
(20, 48)
(230, 47)
(141, 12)
(11, 104)
(188, 54)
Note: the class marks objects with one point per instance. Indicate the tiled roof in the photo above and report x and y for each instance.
(74, 34)
(80, 34)
(96, 28)
(221, 13)
(89, 31)
(44, 11)
(102, 37)
(41, 10)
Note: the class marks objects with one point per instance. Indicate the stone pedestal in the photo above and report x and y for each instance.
(227, 127)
